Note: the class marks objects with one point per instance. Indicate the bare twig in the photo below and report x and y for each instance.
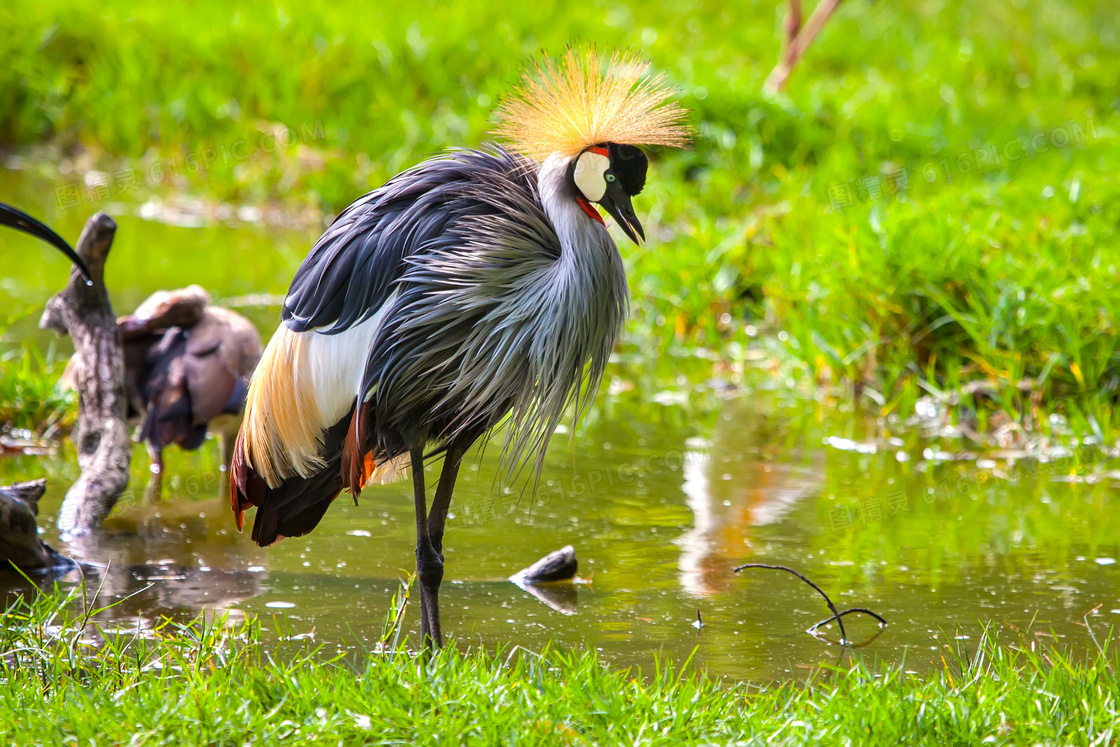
(791, 27)
(831, 606)
(837, 615)
(796, 46)
(882, 622)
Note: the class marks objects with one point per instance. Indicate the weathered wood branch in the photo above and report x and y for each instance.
(797, 40)
(101, 433)
(19, 531)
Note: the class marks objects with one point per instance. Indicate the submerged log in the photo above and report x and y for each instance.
(20, 545)
(101, 433)
(559, 565)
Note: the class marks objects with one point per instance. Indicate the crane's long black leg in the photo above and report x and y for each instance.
(429, 598)
(429, 566)
(446, 486)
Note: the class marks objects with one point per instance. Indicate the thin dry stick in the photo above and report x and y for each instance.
(882, 622)
(778, 77)
(837, 615)
(791, 27)
(831, 606)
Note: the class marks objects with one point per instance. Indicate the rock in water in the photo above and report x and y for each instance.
(542, 580)
(560, 565)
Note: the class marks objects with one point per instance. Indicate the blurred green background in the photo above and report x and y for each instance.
(932, 201)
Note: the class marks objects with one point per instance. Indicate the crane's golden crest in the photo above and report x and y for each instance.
(585, 99)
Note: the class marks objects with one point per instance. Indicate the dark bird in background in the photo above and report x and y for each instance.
(187, 367)
(187, 363)
(477, 288)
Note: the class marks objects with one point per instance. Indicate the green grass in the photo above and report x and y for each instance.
(212, 682)
(30, 398)
(976, 270)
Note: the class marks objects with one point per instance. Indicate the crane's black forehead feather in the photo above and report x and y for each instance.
(629, 164)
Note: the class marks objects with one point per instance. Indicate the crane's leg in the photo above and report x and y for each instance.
(155, 454)
(429, 536)
(226, 442)
(442, 500)
(429, 566)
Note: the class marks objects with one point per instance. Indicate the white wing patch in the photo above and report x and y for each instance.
(336, 363)
(304, 384)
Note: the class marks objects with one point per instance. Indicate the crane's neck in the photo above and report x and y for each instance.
(589, 275)
(584, 240)
(582, 305)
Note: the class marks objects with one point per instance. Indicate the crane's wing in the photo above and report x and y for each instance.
(351, 270)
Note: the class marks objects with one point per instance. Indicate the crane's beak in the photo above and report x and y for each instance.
(618, 204)
(21, 221)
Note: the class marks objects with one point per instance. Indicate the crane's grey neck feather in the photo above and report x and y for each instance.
(585, 303)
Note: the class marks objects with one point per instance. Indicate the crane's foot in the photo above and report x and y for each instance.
(429, 572)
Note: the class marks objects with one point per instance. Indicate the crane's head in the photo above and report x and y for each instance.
(594, 111)
(609, 175)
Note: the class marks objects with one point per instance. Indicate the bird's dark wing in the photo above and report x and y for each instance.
(351, 270)
(170, 418)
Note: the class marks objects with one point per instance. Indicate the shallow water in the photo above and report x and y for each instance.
(684, 469)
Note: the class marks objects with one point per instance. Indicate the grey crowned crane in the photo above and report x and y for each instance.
(478, 287)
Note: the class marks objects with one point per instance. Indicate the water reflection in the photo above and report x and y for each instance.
(127, 563)
(730, 490)
(163, 559)
(562, 597)
(755, 481)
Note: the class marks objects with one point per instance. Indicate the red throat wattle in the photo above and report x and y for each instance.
(590, 210)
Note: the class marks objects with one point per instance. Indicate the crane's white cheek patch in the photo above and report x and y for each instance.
(589, 175)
